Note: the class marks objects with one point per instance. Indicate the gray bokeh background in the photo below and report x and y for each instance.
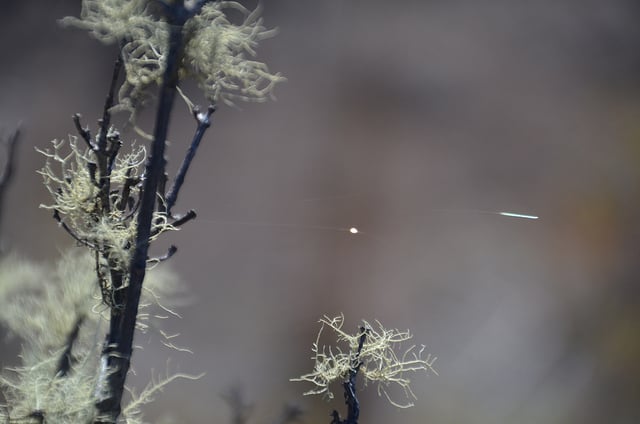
(412, 121)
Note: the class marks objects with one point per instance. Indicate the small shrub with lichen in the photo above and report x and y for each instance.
(105, 225)
(375, 358)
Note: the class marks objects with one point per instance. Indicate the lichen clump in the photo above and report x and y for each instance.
(79, 206)
(217, 53)
(107, 225)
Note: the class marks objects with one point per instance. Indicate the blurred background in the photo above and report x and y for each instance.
(415, 122)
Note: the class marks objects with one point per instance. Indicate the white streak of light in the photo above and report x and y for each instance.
(518, 215)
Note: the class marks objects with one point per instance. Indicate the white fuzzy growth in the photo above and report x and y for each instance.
(217, 52)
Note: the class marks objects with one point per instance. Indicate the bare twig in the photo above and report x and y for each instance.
(7, 172)
(85, 132)
(105, 154)
(170, 252)
(184, 218)
(204, 121)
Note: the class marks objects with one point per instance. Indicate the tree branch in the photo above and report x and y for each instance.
(85, 133)
(101, 142)
(204, 121)
(116, 354)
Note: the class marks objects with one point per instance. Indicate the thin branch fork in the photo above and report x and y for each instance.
(105, 154)
(204, 121)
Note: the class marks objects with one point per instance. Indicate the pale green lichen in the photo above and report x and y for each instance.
(77, 200)
(68, 290)
(42, 305)
(43, 313)
(217, 52)
(112, 20)
(381, 363)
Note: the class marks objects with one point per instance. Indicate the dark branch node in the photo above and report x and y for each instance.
(203, 118)
(184, 218)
